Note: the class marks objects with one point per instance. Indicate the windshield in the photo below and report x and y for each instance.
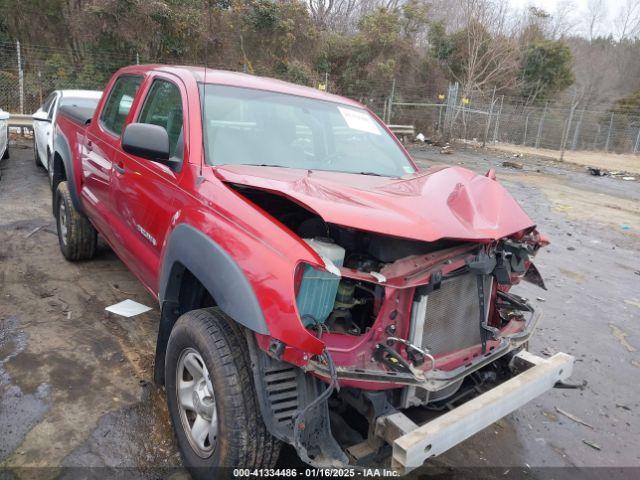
(257, 127)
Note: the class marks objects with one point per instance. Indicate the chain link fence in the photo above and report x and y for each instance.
(28, 73)
(490, 118)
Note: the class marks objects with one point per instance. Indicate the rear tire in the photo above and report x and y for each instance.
(76, 235)
(236, 435)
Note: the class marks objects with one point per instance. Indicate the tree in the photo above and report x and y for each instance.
(484, 53)
(546, 70)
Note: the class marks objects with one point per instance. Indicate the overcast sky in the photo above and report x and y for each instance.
(613, 7)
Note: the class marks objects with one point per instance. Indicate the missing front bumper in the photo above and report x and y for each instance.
(413, 444)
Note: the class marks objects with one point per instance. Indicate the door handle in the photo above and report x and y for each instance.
(119, 168)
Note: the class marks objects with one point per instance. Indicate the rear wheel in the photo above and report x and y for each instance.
(76, 235)
(211, 396)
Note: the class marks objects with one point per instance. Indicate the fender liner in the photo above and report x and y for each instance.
(62, 149)
(190, 249)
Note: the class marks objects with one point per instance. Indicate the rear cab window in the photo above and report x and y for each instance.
(119, 103)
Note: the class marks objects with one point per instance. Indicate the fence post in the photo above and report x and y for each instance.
(635, 147)
(393, 92)
(606, 144)
(526, 126)
(137, 58)
(497, 125)
(450, 114)
(488, 125)
(40, 86)
(20, 78)
(384, 110)
(544, 113)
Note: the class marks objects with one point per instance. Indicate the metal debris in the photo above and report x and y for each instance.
(591, 444)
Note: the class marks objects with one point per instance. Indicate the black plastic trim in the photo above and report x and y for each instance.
(216, 270)
(61, 148)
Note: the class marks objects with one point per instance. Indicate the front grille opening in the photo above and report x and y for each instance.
(450, 314)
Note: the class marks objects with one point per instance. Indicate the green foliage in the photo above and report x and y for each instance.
(546, 69)
(442, 45)
(268, 37)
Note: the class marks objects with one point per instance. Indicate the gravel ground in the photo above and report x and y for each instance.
(75, 381)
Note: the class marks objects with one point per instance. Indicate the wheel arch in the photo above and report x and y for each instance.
(196, 273)
(62, 169)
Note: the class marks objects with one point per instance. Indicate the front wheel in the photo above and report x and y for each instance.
(76, 235)
(211, 396)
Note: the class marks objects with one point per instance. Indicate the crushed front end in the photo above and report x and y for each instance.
(407, 288)
(429, 331)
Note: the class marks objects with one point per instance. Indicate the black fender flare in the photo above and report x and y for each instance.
(188, 248)
(61, 148)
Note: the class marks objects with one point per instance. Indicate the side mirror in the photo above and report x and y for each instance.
(41, 116)
(4, 115)
(147, 141)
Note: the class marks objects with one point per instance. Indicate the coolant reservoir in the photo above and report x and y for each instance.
(318, 288)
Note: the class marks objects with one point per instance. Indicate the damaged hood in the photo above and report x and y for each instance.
(449, 202)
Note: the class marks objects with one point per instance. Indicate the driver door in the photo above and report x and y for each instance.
(146, 194)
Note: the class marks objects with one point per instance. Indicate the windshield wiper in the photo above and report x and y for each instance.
(373, 174)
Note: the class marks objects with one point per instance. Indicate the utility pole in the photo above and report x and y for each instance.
(393, 92)
(488, 125)
(576, 132)
(497, 126)
(565, 137)
(544, 112)
(606, 145)
(20, 78)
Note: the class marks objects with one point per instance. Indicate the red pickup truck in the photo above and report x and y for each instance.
(316, 286)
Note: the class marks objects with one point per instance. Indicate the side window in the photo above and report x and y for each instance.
(163, 107)
(117, 108)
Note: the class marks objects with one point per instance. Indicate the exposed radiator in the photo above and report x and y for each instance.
(448, 319)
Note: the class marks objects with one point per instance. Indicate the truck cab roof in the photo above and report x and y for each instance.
(239, 79)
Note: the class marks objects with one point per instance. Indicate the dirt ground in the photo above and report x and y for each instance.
(608, 160)
(75, 381)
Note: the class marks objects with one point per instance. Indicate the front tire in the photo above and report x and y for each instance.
(76, 235)
(211, 396)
